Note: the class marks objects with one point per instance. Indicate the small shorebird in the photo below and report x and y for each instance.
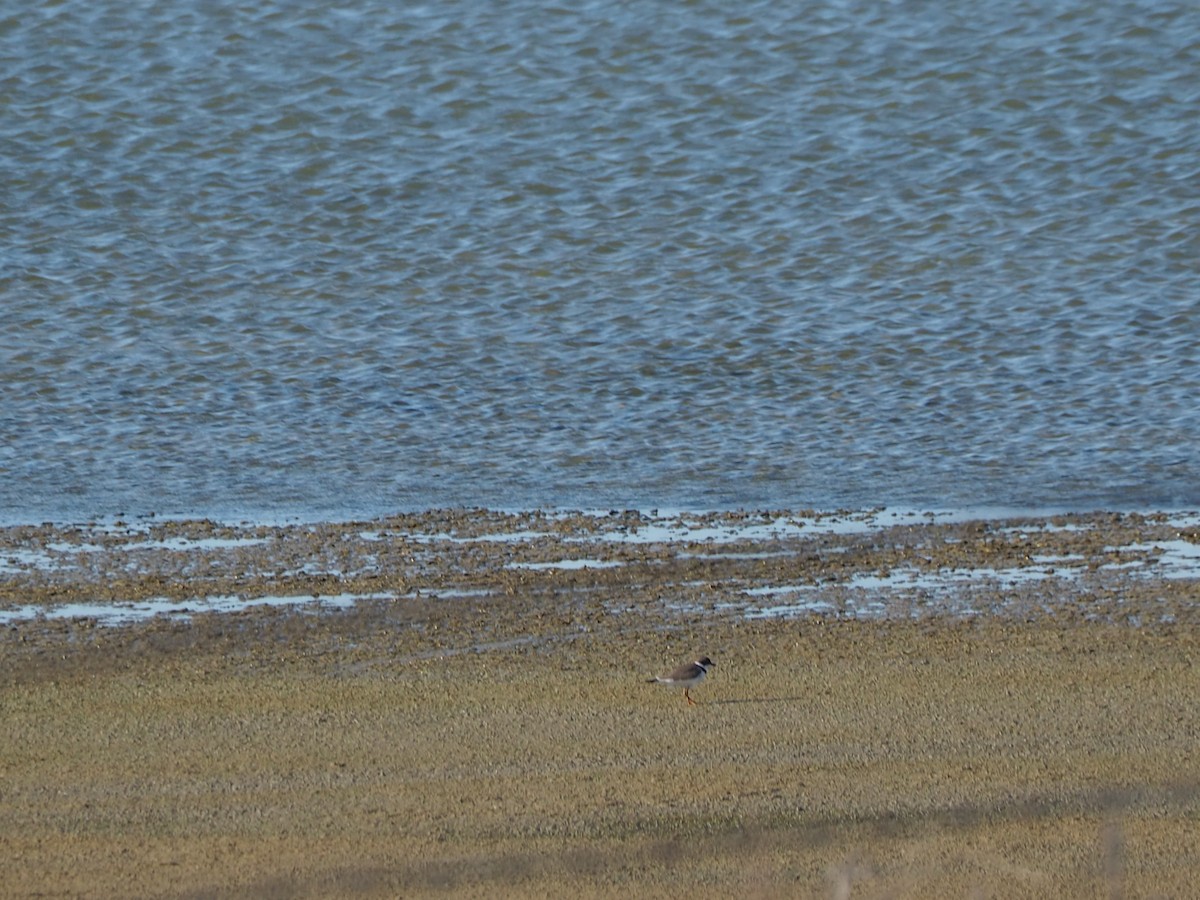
(686, 677)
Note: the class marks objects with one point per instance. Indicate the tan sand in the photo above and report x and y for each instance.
(509, 745)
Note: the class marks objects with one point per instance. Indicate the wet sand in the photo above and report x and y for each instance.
(486, 728)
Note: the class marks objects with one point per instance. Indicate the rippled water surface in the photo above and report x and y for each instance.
(282, 257)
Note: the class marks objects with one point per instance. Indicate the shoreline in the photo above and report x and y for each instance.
(44, 569)
(482, 725)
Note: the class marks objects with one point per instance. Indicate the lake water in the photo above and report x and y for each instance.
(302, 259)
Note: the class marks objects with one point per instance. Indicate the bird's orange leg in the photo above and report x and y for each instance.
(687, 695)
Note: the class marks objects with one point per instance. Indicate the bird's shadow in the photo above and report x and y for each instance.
(754, 700)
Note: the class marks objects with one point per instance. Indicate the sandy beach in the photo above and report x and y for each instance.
(483, 725)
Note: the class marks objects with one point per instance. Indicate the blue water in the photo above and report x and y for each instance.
(287, 258)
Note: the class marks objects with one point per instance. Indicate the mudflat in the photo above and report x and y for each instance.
(505, 741)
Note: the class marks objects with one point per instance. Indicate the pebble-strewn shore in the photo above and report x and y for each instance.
(920, 708)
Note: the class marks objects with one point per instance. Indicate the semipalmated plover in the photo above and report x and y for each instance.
(687, 677)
